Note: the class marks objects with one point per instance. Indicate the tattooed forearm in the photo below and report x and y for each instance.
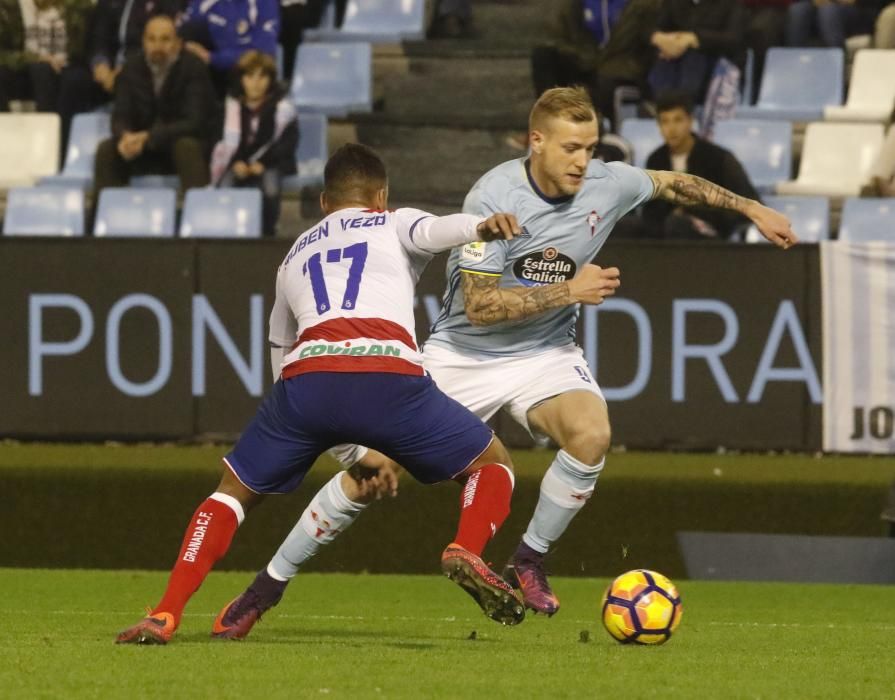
(487, 302)
(690, 190)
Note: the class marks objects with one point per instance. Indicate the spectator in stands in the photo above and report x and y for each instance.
(764, 29)
(884, 33)
(42, 42)
(452, 19)
(163, 103)
(684, 151)
(257, 146)
(295, 17)
(220, 31)
(690, 37)
(829, 22)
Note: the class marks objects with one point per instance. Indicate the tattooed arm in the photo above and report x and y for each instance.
(688, 190)
(486, 302)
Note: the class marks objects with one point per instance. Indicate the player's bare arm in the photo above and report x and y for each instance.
(689, 190)
(487, 303)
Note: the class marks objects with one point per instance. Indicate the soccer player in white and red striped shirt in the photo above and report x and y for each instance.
(351, 372)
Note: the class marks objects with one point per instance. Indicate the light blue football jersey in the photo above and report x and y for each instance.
(560, 234)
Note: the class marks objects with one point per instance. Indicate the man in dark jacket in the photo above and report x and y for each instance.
(161, 113)
(684, 151)
(690, 37)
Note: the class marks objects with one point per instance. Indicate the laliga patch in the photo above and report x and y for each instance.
(544, 267)
(474, 251)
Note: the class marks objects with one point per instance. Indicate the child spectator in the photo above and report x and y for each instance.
(260, 133)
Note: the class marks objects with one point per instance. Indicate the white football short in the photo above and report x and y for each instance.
(516, 384)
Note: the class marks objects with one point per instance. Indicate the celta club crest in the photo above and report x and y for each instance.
(592, 220)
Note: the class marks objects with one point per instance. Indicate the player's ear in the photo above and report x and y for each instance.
(536, 140)
(323, 202)
(382, 199)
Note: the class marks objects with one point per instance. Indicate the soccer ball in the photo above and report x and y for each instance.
(641, 606)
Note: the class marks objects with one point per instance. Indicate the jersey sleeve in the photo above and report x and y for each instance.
(480, 257)
(283, 325)
(635, 186)
(423, 234)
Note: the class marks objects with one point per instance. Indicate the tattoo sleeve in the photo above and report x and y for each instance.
(690, 190)
(486, 302)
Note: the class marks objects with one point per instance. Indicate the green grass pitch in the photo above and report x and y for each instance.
(338, 635)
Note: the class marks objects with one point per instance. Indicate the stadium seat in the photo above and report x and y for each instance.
(810, 217)
(797, 85)
(644, 137)
(377, 21)
(865, 220)
(871, 90)
(128, 211)
(155, 181)
(221, 213)
(763, 147)
(836, 159)
(333, 79)
(87, 131)
(29, 144)
(312, 154)
(748, 78)
(44, 211)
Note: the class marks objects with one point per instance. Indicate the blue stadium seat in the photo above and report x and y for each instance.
(333, 79)
(810, 217)
(763, 147)
(865, 220)
(312, 154)
(644, 137)
(748, 78)
(44, 211)
(221, 213)
(155, 181)
(138, 212)
(87, 131)
(377, 21)
(798, 84)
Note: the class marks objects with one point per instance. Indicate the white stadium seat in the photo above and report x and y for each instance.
(871, 90)
(29, 144)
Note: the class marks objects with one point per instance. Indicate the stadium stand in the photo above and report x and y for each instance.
(155, 181)
(871, 89)
(333, 79)
(865, 220)
(30, 147)
(810, 217)
(644, 137)
(87, 131)
(312, 153)
(836, 159)
(44, 211)
(130, 211)
(376, 21)
(798, 84)
(763, 147)
(221, 213)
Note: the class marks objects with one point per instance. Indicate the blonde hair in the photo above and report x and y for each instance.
(570, 103)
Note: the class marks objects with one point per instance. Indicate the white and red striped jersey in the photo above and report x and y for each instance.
(345, 290)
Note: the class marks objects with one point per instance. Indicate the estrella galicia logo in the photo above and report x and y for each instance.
(544, 267)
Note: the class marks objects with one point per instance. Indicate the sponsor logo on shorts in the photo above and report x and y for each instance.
(544, 267)
(347, 348)
(474, 251)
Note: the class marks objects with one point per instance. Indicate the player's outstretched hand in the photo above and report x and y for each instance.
(773, 225)
(498, 227)
(594, 283)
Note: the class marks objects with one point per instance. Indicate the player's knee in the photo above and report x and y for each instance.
(589, 443)
(496, 453)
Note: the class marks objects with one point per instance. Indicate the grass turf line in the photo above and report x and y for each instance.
(337, 635)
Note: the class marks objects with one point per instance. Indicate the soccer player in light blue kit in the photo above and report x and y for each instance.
(506, 334)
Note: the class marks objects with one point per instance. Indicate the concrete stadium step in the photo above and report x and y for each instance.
(504, 24)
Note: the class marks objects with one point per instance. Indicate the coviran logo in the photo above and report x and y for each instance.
(348, 349)
(545, 267)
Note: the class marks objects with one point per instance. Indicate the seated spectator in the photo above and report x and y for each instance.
(690, 37)
(829, 22)
(684, 151)
(162, 107)
(295, 17)
(260, 134)
(41, 43)
(764, 29)
(884, 32)
(219, 32)
(452, 19)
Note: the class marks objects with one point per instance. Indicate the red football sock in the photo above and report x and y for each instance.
(207, 539)
(484, 505)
